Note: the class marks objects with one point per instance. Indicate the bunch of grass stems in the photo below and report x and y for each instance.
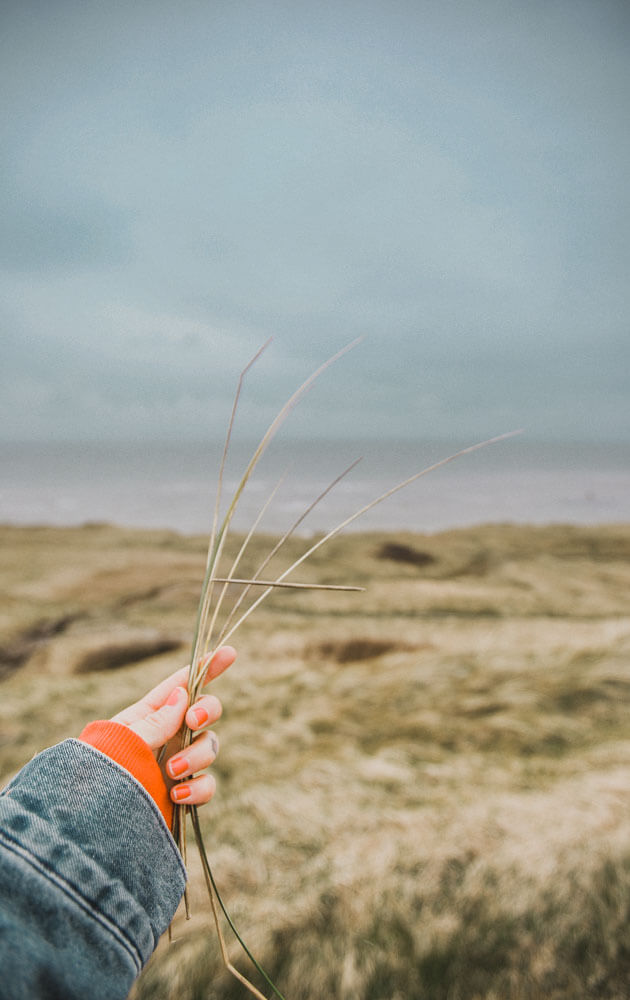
(218, 619)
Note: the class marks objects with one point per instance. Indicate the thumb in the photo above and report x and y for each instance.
(158, 727)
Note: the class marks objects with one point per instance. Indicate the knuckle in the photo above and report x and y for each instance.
(155, 721)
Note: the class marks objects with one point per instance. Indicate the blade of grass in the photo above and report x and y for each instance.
(206, 591)
(296, 586)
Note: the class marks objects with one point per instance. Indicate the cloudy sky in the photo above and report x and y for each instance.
(182, 180)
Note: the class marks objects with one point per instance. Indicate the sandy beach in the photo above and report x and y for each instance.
(423, 788)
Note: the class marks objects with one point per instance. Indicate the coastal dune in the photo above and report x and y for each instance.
(424, 789)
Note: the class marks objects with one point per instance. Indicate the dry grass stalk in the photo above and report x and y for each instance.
(209, 634)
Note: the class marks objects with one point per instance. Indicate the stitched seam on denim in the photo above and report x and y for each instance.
(119, 769)
(79, 900)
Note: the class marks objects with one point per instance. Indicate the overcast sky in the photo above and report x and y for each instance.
(182, 180)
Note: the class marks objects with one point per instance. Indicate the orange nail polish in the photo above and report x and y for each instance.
(177, 766)
(180, 792)
(200, 716)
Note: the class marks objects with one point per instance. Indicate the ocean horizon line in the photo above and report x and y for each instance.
(173, 486)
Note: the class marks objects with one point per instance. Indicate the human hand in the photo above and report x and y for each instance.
(158, 717)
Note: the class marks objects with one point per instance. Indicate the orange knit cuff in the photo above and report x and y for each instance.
(135, 755)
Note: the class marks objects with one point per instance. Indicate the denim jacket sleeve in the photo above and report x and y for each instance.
(90, 877)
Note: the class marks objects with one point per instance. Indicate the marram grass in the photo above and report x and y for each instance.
(424, 788)
(220, 615)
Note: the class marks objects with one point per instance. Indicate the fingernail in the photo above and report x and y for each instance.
(175, 696)
(200, 716)
(180, 792)
(177, 766)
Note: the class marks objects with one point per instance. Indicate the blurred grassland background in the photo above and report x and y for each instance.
(423, 789)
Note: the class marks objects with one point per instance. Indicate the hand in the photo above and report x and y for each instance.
(159, 716)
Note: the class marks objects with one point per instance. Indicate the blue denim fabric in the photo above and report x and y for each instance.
(90, 877)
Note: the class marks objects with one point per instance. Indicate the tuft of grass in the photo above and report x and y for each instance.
(353, 650)
(219, 617)
(19, 649)
(400, 553)
(115, 656)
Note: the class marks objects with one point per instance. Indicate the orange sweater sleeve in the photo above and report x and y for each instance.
(131, 752)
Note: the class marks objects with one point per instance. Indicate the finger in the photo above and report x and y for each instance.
(154, 700)
(198, 755)
(219, 662)
(195, 792)
(204, 712)
(157, 727)
(214, 665)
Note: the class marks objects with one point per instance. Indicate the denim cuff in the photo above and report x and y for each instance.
(95, 834)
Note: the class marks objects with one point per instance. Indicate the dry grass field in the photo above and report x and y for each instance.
(424, 790)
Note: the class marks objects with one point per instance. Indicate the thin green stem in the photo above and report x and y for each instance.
(208, 870)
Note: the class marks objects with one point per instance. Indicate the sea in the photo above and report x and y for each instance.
(172, 485)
